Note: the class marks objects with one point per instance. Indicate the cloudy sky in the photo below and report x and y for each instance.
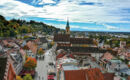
(84, 15)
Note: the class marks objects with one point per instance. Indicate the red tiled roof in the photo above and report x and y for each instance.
(107, 56)
(62, 37)
(108, 76)
(32, 46)
(71, 55)
(128, 78)
(87, 74)
(75, 75)
(129, 66)
(60, 55)
(94, 74)
(81, 41)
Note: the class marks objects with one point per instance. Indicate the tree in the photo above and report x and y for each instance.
(27, 77)
(116, 43)
(95, 42)
(52, 43)
(30, 63)
(18, 78)
(1, 28)
(40, 51)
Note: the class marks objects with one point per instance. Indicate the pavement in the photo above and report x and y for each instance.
(42, 65)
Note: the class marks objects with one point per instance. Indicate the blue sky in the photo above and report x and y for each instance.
(84, 15)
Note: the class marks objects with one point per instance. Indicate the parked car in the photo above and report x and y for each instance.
(50, 77)
(50, 63)
(52, 73)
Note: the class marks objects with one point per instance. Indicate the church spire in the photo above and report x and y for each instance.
(67, 27)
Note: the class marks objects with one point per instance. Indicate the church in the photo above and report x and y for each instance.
(64, 39)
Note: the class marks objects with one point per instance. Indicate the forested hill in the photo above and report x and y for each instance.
(16, 26)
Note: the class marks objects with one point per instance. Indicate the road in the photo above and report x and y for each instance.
(42, 65)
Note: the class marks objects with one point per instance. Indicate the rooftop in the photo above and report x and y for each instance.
(62, 37)
(70, 67)
(84, 74)
(81, 41)
(85, 49)
(108, 76)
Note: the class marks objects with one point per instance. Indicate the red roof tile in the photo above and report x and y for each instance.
(32, 46)
(108, 76)
(71, 56)
(87, 74)
(81, 41)
(75, 75)
(129, 66)
(62, 37)
(128, 78)
(60, 55)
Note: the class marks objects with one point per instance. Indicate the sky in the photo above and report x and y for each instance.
(84, 15)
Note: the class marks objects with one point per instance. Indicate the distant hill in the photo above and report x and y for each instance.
(16, 26)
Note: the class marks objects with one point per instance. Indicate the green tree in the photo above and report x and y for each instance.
(30, 63)
(18, 78)
(1, 29)
(40, 51)
(27, 77)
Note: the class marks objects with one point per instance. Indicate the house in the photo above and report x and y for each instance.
(7, 71)
(65, 63)
(122, 44)
(17, 61)
(116, 66)
(43, 42)
(107, 56)
(88, 62)
(61, 55)
(23, 53)
(30, 49)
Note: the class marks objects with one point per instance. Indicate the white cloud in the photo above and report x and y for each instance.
(109, 27)
(46, 1)
(63, 26)
(106, 12)
(109, 12)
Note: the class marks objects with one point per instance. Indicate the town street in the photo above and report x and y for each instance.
(42, 65)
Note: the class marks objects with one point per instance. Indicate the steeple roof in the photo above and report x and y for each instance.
(67, 25)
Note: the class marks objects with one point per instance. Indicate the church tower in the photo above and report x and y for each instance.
(67, 27)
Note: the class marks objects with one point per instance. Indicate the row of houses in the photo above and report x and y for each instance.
(13, 53)
(87, 55)
(69, 67)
